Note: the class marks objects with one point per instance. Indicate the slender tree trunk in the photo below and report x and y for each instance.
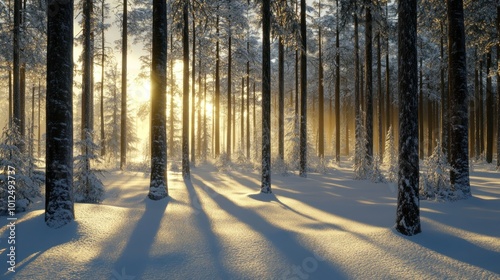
(489, 110)
(303, 90)
(445, 122)
(369, 83)
(381, 134)
(199, 103)
(408, 209)
(472, 111)
(430, 125)
(457, 71)
(242, 116)
(193, 94)
(498, 86)
(337, 89)
(248, 100)
(10, 99)
(39, 120)
(281, 97)
(388, 106)
(16, 117)
(321, 95)
(266, 97)
(103, 60)
(185, 93)
(205, 135)
(59, 202)
(123, 124)
(172, 94)
(158, 188)
(357, 103)
(217, 90)
(421, 112)
(229, 88)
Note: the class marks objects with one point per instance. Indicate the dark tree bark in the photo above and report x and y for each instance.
(87, 81)
(408, 211)
(193, 93)
(59, 202)
(123, 123)
(303, 90)
(421, 111)
(103, 60)
(242, 114)
(388, 106)
(248, 89)
(321, 94)
(229, 88)
(337, 89)
(39, 150)
(369, 82)
(380, 97)
(281, 99)
(481, 109)
(185, 92)
(357, 102)
(445, 122)
(10, 99)
(472, 112)
(498, 85)
(266, 97)
(158, 188)
(457, 72)
(489, 111)
(217, 90)
(16, 97)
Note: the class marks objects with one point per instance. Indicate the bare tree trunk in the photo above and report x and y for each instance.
(266, 97)
(303, 90)
(123, 125)
(281, 97)
(408, 209)
(369, 83)
(457, 71)
(185, 93)
(158, 188)
(59, 202)
(193, 94)
(217, 90)
(321, 94)
(337, 89)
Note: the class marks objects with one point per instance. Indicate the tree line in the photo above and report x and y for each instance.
(338, 89)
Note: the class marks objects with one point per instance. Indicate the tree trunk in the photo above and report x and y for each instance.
(498, 86)
(457, 71)
(248, 95)
(337, 89)
(217, 90)
(39, 150)
(103, 58)
(266, 97)
(481, 109)
(172, 93)
(193, 94)
(123, 124)
(445, 122)
(229, 87)
(489, 110)
(158, 188)
(381, 134)
(321, 95)
(281, 97)
(357, 103)
(185, 93)
(369, 83)
(421, 112)
(59, 202)
(16, 117)
(408, 211)
(303, 90)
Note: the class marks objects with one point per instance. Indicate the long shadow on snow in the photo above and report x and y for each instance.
(135, 256)
(203, 225)
(33, 238)
(284, 241)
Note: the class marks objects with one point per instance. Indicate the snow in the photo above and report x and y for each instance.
(218, 226)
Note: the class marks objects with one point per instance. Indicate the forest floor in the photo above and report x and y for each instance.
(218, 226)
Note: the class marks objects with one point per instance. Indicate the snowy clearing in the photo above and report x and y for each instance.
(326, 226)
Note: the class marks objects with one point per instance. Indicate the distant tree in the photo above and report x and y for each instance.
(369, 79)
(59, 209)
(158, 185)
(408, 208)
(266, 97)
(303, 90)
(16, 92)
(123, 123)
(185, 91)
(457, 73)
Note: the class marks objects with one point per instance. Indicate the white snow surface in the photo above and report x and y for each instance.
(218, 226)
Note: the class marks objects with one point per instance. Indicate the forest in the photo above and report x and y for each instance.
(106, 98)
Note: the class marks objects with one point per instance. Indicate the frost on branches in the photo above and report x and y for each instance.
(28, 180)
(88, 188)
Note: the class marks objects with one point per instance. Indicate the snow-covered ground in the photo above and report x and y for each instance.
(218, 226)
